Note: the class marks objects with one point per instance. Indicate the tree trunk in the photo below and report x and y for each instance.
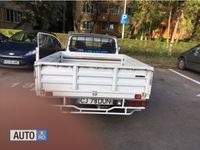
(20, 24)
(75, 25)
(132, 31)
(108, 21)
(173, 36)
(150, 26)
(169, 25)
(64, 17)
(142, 36)
(95, 16)
(138, 25)
(45, 25)
(177, 39)
(161, 34)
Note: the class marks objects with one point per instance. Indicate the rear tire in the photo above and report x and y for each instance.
(181, 64)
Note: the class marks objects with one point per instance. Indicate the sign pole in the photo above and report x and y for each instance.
(123, 25)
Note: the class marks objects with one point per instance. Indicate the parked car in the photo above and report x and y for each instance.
(19, 51)
(3, 38)
(190, 59)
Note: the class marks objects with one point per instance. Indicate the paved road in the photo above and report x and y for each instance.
(171, 122)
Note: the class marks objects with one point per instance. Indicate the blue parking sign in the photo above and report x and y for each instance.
(124, 19)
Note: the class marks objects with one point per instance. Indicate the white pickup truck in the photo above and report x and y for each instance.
(92, 77)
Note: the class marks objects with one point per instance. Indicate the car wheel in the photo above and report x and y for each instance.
(181, 64)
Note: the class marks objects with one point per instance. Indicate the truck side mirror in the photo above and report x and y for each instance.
(119, 48)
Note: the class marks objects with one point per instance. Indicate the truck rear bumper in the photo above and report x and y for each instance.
(115, 110)
(126, 107)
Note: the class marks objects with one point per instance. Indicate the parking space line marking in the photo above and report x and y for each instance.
(195, 81)
(15, 84)
(198, 95)
(33, 89)
(28, 85)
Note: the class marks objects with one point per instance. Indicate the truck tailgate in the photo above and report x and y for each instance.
(90, 81)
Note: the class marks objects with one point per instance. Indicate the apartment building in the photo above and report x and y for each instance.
(102, 17)
(10, 14)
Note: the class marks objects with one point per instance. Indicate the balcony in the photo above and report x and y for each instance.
(113, 18)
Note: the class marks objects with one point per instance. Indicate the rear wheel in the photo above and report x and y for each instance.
(181, 64)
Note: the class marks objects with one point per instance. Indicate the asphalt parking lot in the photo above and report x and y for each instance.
(171, 121)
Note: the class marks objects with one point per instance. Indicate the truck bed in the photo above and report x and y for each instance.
(88, 59)
(83, 74)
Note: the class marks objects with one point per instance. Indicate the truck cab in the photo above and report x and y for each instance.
(93, 43)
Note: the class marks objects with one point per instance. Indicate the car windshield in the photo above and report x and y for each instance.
(24, 37)
(92, 44)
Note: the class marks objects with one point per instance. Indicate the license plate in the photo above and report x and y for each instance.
(98, 101)
(11, 62)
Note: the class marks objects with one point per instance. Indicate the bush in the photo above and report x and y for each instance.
(62, 37)
(152, 48)
(131, 47)
(8, 32)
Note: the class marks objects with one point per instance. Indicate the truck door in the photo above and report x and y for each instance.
(47, 44)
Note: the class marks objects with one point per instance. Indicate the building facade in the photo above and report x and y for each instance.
(10, 14)
(102, 17)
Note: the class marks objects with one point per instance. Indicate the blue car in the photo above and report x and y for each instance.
(19, 51)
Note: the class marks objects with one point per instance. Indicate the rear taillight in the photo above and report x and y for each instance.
(138, 96)
(48, 93)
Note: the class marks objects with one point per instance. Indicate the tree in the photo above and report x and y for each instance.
(46, 15)
(169, 21)
(147, 16)
(192, 15)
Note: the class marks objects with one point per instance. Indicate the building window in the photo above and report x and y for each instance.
(7, 15)
(103, 10)
(10, 15)
(88, 8)
(108, 27)
(115, 11)
(18, 16)
(1, 14)
(112, 10)
(111, 27)
(87, 25)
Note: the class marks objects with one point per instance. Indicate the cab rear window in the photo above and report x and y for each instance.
(92, 44)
